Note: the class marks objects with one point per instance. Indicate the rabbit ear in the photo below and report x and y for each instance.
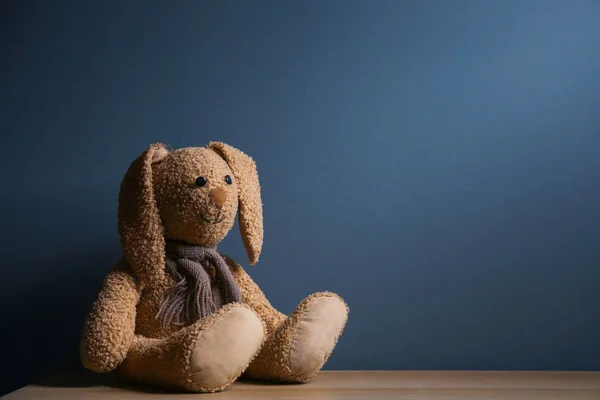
(140, 226)
(251, 215)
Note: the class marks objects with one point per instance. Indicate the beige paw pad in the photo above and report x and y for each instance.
(226, 349)
(316, 335)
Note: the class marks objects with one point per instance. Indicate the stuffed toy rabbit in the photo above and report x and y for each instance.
(175, 313)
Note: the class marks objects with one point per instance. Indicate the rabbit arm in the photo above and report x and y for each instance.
(110, 326)
(255, 298)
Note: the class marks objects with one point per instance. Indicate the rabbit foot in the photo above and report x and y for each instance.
(301, 345)
(316, 335)
(224, 352)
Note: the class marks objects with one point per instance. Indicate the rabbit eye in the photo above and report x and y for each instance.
(228, 179)
(201, 181)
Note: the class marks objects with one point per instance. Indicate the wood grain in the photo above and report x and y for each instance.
(434, 385)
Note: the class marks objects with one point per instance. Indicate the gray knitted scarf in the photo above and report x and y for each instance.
(196, 295)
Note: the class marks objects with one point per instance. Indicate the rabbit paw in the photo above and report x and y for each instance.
(225, 350)
(320, 325)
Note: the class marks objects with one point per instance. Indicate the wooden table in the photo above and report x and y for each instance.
(359, 385)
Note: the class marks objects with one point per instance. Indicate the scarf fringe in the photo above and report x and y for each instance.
(191, 298)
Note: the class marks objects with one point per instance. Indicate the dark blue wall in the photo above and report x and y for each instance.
(434, 162)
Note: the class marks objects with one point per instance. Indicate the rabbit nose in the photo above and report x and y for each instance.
(218, 197)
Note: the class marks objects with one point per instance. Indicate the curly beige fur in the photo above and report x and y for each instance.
(159, 200)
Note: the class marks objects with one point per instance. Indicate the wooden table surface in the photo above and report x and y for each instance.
(330, 385)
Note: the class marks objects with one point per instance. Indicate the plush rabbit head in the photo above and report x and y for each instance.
(191, 195)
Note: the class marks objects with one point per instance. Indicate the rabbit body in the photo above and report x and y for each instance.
(192, 195)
